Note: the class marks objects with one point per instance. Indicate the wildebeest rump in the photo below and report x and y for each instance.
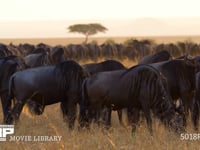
(107, 65)
(157, 57)
(47, 85)
(125, 89)
(8, 66)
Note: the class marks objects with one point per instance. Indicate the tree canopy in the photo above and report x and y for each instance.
(87, 29)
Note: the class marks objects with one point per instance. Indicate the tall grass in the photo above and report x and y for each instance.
(118, 137)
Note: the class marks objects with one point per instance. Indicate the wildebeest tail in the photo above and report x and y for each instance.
(83, 120)
(196, 103)
(84, 99)
(10, 89)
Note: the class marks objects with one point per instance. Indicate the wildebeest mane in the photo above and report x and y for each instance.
(67, 75)
(156, 89)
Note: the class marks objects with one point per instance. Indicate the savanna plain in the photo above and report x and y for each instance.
(116, 138)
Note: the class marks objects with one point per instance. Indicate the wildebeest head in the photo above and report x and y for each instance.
(177, 123)
(169, 114)
(35, 108)
(57, 55)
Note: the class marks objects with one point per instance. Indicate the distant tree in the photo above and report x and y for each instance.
(87, 29)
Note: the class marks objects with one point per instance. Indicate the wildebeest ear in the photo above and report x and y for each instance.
(179, 107)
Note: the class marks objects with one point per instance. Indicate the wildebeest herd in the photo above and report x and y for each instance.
(42, 75)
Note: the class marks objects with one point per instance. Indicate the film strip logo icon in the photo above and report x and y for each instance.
(5, 130)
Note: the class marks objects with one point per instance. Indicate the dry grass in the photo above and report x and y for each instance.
(117, 138)
(51, 124)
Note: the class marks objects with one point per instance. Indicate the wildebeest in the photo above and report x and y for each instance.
(157, 57)
(37, 59)
(90, 69)
(4, 51)
(47, 85)
(107, 65)
(180, 76)
(196, 103)
(8, 66)
(125, 89)
(57, 55)
(196, 100)
(45, 56)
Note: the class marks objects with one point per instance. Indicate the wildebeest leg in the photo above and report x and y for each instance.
(119, 113)
(8, 117)
(187, 102)
(17, 110)
(148, 118)
(63, 107)
(133, 115)
(6, 106)
(36, 104)
(97, 116)
(72, 115)
(106, 116)
(195, 113)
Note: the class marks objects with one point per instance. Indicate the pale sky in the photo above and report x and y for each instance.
(41, 10)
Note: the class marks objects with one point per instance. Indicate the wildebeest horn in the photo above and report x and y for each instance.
(186, 56)
(179, 104)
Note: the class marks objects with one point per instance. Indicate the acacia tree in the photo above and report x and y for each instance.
(87, 29)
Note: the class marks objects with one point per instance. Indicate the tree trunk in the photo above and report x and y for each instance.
(86, 39)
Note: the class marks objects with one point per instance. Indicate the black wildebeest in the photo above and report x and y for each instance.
(8, 66)
(157, 57)
(47, 85)
(125, 89)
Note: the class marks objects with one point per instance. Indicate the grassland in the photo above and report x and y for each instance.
(117, 138)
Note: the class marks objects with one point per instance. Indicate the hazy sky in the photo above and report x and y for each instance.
(34, 12)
